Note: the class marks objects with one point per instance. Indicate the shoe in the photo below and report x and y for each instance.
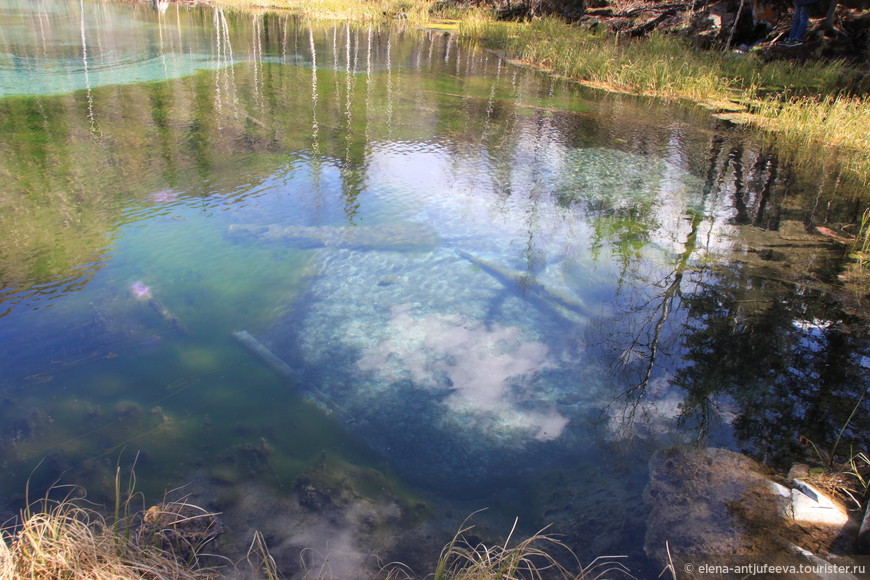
(793, 42)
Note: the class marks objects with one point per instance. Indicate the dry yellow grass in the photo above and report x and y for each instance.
(532, 558)
(64, 540)
(61, 540)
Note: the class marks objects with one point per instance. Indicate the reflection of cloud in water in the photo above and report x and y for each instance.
(331, 546)
(487, 371)
(656, 414)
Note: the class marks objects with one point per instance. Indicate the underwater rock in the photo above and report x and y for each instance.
(342, 492)
(311, 496)
(690, 491)
(250, 460)
(27, 427)
(720, 504)
(403, 237)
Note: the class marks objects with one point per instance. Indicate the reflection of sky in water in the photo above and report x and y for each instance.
(468, 193)
(485, 369)
(449, 350)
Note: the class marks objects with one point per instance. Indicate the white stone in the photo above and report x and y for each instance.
(810, 505)
(778, 489)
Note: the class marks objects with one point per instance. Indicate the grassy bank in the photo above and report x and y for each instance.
(799, 103)
(64, 539)
(67, 540)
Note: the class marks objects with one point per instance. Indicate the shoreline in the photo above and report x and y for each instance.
(793, 118)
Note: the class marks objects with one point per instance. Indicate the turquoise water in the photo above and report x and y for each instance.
(57, 47)
(494, 288)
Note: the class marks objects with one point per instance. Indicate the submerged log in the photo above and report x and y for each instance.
(404, 237)
(142, 293)
(527, 286)
(275, 363)
(264, 354)
(167, 315)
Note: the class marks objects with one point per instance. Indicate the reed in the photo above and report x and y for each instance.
(839, 123)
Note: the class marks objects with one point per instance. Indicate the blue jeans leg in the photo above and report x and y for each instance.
(799, 22)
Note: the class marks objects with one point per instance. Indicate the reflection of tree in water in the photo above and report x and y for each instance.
(649, 337)
(783, 356)
(753, 192)
(754, 343)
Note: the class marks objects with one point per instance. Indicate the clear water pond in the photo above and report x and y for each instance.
(236, 248)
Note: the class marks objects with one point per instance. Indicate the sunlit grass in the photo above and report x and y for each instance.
(840, 123)
(662, 66)
(801, 102)
(63, 539)
(658, 66)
